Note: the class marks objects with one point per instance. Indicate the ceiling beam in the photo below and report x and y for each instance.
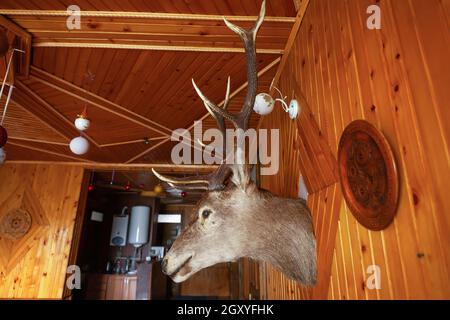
(100, 45)
(39, 141)
(24, 43)
(150, 31)
(46, 151)
(143, 15)
(96, 101)
(161, 167)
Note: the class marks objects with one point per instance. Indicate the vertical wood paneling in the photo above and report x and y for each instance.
(41, 267)
(397, 79)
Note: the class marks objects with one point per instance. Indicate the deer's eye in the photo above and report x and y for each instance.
(206, 213)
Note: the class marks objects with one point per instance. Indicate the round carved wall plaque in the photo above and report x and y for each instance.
(15, 224)
(368, 175)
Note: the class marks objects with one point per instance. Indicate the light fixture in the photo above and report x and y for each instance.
(79, 145)
(264, 104)
(82, 122)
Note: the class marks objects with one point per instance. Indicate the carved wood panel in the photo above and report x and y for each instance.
(368, 175)
(22, 220)
(38, 204)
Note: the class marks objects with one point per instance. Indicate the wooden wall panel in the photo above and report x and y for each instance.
(39, 268)
(210, 282)
(394, 78)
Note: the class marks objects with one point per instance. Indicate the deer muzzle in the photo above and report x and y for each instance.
(175, 267)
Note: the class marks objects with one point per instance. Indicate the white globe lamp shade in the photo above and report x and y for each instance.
(79, 145)
(82, 124)
(264, 104)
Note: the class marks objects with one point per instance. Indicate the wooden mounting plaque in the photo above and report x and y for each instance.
(368, 175)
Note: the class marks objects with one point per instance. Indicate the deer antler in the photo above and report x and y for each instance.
(241, 175)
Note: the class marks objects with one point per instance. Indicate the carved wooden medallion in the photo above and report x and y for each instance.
(15, 224)
(368, 175)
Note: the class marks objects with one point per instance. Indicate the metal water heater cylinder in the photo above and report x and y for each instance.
(139, 225)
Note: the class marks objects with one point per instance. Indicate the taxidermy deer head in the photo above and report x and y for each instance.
(235, 219)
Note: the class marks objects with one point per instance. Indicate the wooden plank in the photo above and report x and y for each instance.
(80, 219)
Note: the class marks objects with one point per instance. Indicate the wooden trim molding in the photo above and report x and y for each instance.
(39, 141)
(98, 45)
(46, 151)
(144, 15)
(161, 167)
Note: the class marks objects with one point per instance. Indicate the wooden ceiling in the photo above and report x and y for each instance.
(131, 64)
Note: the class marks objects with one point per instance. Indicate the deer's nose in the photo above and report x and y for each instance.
(164, 265)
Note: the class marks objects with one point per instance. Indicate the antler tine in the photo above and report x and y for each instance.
(249, 39)
(242, 32)
(216, 112)
(211, 106)
(259, 21)
(189, 180)
(227, 95)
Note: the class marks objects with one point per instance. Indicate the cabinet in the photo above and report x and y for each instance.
(111, 287)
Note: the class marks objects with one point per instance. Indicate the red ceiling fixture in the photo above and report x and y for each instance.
(91, 182)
